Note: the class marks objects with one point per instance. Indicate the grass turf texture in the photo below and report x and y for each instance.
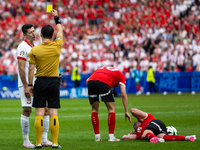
(76, 131)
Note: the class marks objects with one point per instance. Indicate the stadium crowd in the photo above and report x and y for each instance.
(126, 34)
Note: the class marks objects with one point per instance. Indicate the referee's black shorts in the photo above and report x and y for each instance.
(98, 88)
(157, 127)
(46, 89)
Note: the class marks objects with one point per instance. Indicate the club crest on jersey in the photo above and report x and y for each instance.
(139, 129)
(21, 53)
(59, 38)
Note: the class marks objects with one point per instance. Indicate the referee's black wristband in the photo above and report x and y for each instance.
(30, 84)
(57, 20)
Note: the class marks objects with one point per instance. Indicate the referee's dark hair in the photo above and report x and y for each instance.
(26, 27)
(47, 32)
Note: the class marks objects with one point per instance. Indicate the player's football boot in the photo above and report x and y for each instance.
(28, 145)
(56, 146)
(47, 144)
(161, 140)
(191, 138)
(154, 140)
(113, 139)
(37, 146)
(98, 138)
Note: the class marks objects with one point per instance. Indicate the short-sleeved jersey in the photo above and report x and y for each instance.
(109, 75)
(143, 125)
(22, 53)
(46, 57)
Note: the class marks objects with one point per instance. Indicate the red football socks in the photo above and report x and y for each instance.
(138, 87)
(149, 135)
(111, 122)
(95, 122)
(174, 138)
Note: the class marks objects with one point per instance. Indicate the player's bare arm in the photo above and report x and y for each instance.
(125, 102)
(21, 68)
(30, 77)
(58, 26)
(140, 115)
(129, 137)
(132, 132)
(87, 81)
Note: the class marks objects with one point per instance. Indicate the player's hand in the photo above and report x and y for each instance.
(54, 12)
(26, 92)
(128, 116)
(87, 81)
(30, 90)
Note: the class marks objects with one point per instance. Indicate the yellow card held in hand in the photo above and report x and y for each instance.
(49, 8)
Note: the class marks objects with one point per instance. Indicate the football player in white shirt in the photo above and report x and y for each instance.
(26, 100)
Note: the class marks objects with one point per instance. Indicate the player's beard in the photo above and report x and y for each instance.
(33, 38)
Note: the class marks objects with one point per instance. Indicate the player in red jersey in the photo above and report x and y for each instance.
(148, 127)
(100, 83)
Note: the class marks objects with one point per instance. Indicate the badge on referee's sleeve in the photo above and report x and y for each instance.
(58, 38)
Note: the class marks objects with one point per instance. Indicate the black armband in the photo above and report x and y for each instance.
(57, 20)
(30, 84)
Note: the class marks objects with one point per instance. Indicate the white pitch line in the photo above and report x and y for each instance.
(118, 114)
(103, 108)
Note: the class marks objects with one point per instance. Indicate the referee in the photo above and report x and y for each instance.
(47, 86)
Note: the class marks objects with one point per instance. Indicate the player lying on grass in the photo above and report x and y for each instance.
(148, 127)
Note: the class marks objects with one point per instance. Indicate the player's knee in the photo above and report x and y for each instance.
(161, 135)
(46, 111)
(26, 111)
(53, 112)
(95, 106)
(143, 136)
(145, 133)
(110, 106)
(133, 110)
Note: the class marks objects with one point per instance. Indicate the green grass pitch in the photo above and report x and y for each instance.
(76, 131)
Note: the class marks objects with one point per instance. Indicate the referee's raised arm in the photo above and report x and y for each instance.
(58, 23)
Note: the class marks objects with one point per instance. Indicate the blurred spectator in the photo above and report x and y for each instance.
(126, 66)
(176, 69)
(92, 15)
(189, 68)
(137, 75)
(144, 64)
(181, 61)
(2, 68)
(11, 69)
(63, 85)
(61, 68)
(76, 78)
(100, 14)
(151, 80)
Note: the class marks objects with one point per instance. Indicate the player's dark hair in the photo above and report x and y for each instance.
(26, 27)
(47, 31)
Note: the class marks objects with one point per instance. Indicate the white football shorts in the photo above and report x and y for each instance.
(25, 102)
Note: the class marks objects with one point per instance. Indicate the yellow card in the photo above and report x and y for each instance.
(49, 8)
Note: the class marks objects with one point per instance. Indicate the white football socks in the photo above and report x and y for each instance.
(46, 129)
(25, 128)
(111, 135)
(97, 136)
